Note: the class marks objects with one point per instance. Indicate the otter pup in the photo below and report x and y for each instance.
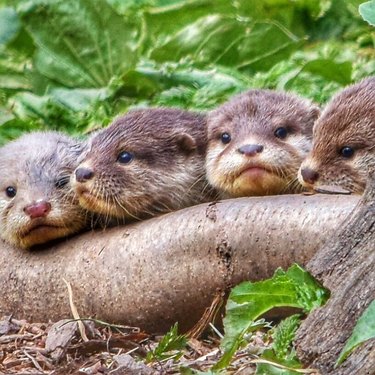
(257, 141)
(147, 162)
(343, 149)
(36, 203)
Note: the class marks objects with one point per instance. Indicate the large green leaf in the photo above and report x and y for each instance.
(165, 18)
(81, 43)
(364, 330)
(203, 41)
(367, 11)
(247, 301)
(219, 39)
(256, 55)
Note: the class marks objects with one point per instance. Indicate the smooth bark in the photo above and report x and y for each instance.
(167, 269)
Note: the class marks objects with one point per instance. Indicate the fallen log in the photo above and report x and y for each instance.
(167, 269)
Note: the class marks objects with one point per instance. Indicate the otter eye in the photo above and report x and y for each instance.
(11, 191)
(347, 152)
(62, 182)
(225, 138)
(281, 133)
(125, 157)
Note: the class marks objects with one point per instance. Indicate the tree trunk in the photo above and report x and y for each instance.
(346, 266)
(167, 269)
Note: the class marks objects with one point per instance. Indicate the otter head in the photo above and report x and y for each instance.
(146, 162)
(37, 204)
(343, 152)
(257, 141)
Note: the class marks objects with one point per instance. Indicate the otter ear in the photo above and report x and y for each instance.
(315, 112)
(313, 116)
(186, 143)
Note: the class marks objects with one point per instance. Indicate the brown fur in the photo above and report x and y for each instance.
(252, 118)
(166, 174)
(34, 164)
(347, 120)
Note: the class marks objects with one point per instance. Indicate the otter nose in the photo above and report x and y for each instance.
(84, 174)
(309, 175)
(38, 209)
(250, 150)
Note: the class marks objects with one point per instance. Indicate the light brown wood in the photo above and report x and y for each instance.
(167, 269)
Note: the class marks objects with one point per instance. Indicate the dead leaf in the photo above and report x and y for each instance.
(59, 337)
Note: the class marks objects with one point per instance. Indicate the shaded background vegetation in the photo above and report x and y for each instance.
(73, 65)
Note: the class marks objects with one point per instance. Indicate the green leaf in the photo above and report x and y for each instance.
(363, 330)
(163, 19)
(9, 25)
(248, 301)
(170, 346)
(367, 11)
(78, 99)
(11, 127)
(255, 55)
(202, 41)
(331, 70)
(309, 293)
(81, 43)
(224, 40)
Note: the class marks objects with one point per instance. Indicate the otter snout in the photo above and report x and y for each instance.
(38, 209)
(250, 150)
(84, 174)
(309, 175)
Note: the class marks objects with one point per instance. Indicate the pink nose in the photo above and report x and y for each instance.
(38, 209)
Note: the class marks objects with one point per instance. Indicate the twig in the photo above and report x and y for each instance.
(33, 360)
(75, 314)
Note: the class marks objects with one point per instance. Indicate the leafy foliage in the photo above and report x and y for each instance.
(282, 352)
(170, 346)
(364, 330)
(283, 335)
(247, 301)
(74, 65)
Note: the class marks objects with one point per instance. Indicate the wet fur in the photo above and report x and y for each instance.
(347, 120)
(252, 118)
(33, 164)
(166, 174)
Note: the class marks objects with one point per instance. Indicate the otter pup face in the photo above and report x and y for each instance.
(257, 141)
(36, 202)
(146, 162)
(343, 150)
